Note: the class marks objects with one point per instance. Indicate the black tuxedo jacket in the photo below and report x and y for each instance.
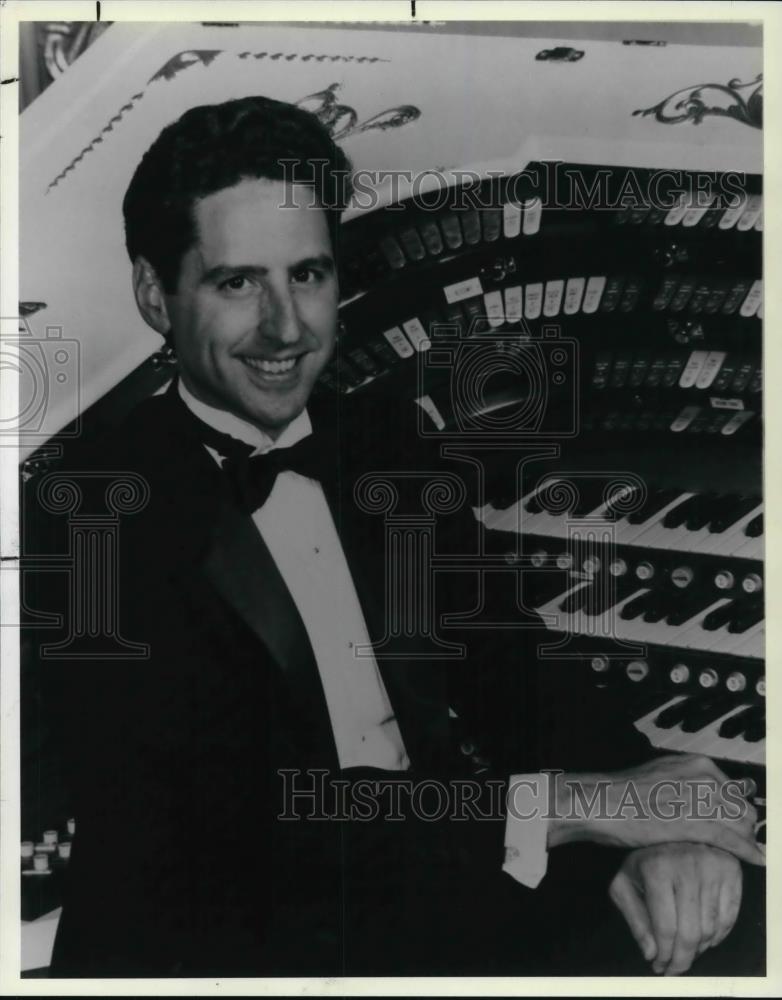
(180, 864)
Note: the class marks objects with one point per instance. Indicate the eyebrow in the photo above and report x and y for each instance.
(222, 271)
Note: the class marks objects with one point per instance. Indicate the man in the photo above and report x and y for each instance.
(256, 584)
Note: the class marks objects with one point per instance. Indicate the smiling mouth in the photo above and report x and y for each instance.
(272, 367)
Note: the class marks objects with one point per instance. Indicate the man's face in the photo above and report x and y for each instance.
(254, 317)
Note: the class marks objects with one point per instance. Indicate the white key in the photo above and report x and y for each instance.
(495, 310)
(399, 342)
(533, 300)
(692, 369)
(711, 367)
(594, 292)
(533, 212)
(513, 304)
(732, 214)
(695, 213)
(754, 548)
(552, 298)
(750, 643)
(511, 220)
(751, 303)
(676, 214)
(751, 213)
(417, 335)
(574, 292)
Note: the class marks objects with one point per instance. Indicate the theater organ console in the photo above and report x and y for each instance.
(606, 309)
(632, 337)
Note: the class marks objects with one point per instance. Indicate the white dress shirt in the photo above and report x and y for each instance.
(299, 531)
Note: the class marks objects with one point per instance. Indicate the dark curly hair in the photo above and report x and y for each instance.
(214, 147)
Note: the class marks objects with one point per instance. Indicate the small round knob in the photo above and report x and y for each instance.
(564, 560)
(617, 567)
(28, 849)
(644, 571)
(680, 673)
(724, 580)
(592, 565)
(760, 687)
(736, 681)
(708, 678)
(50, 836)
(538, 559)
(637, 670)
(682, 576)
(41, 862)
(599, 664)
(752, 583)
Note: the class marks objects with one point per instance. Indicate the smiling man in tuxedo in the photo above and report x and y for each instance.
(253, 577)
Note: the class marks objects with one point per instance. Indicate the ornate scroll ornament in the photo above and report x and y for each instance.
(741, 101)
(342, 120)
(339, 119)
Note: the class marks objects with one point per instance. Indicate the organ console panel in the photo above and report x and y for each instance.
(609, 309)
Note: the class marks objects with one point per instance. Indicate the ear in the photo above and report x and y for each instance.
(150, 298)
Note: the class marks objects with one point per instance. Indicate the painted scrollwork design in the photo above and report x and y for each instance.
(741, 101)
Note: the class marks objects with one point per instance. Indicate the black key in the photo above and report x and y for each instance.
(755, 732)
(673, 715)
(590, 497)
(689, 608)
(612, 514)
(608, 591)
(703, 512)
(754, 529)
(658, 608)
(734, 509)
(676, 517)
(746, 616)
(637, 606)
(654, 503)
(735, 725)
(706, 712)
(719, 617)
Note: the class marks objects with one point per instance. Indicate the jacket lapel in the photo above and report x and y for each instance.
(416, 688)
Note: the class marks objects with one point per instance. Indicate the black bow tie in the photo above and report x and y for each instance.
(252, 477)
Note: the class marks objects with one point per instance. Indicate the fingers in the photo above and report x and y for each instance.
(745, 848)
(688, 924)
(729, 905)
(710, 911)
(628, 900)
(662, 913)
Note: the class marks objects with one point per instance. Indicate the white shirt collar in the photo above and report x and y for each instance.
(300, 427)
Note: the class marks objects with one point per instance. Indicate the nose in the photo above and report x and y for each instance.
(279, 322)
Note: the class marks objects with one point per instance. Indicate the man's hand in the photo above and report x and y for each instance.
(678, 900)
(680, 797)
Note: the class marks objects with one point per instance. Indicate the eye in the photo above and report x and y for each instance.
(238, 283)
(307, 276)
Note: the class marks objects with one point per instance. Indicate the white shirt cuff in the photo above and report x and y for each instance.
(526, 829)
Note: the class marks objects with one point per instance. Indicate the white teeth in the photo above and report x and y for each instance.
(271, 367)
